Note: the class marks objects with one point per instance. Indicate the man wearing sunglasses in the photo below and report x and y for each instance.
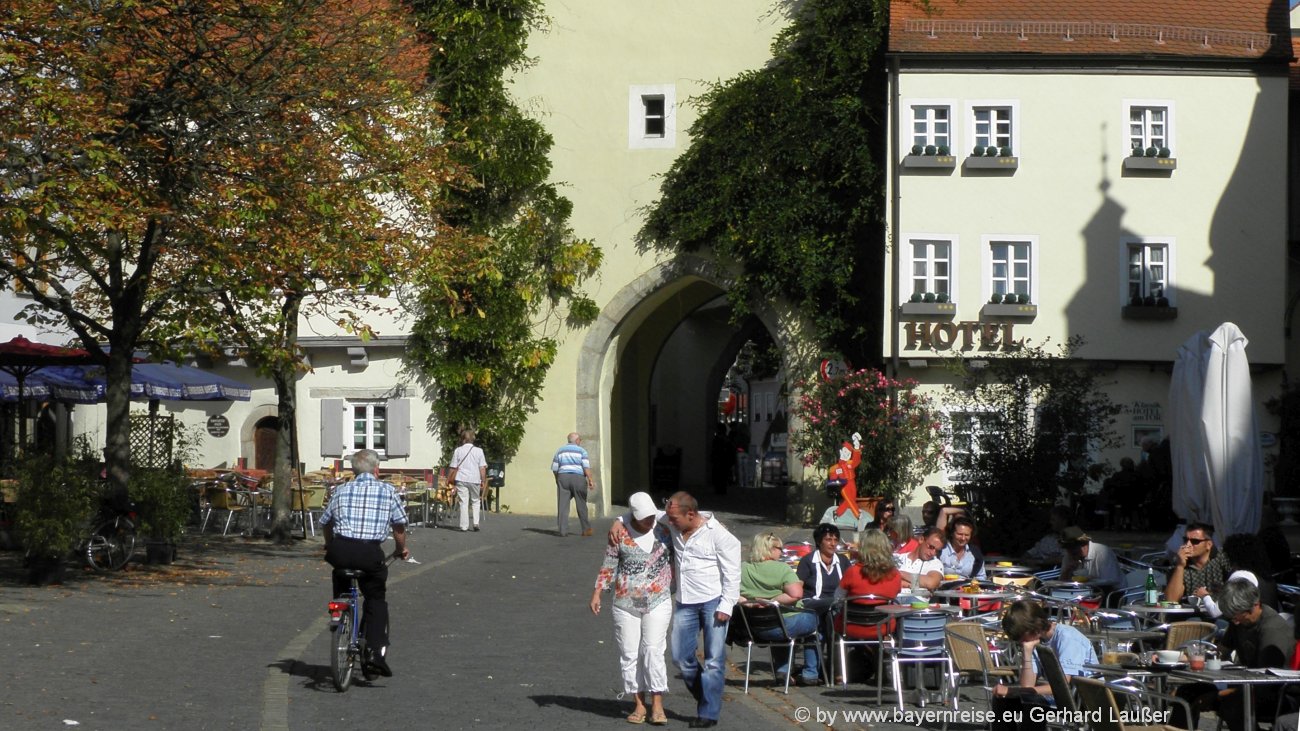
(1199, 568)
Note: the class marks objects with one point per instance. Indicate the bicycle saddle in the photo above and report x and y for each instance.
(350, 573)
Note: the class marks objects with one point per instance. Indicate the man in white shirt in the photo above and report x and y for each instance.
(1085, 557)
(921, 569)
(706, 568)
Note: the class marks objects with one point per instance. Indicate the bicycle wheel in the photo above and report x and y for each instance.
(341, 657)
(110, 545)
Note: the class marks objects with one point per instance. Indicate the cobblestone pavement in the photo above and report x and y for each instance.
(490, 630)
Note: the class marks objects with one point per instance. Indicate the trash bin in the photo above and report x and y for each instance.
(496, 474)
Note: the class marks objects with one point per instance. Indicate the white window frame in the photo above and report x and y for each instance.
(912, 105)
(986, 262)
(974, 105)
(1168, 105)
(637, 139)
(349, 428)
(953, 472)
(909, 259)
(1171, 271)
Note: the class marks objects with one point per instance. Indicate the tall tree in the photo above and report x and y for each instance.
(785, 176)
(484, 359)
(153, 149)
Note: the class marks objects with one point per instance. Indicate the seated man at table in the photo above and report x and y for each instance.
(1047, 552)
(1026, 622)
(1083, 557)
(1200, 568)
(920, 569)
(1261, 638)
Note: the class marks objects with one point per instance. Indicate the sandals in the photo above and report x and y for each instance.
(636, 717)
(659, 719)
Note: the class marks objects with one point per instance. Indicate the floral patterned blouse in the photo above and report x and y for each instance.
(641, 579)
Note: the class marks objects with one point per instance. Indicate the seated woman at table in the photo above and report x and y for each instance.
(901, 536)
(766, 576)
(959, 557)
(874, 573)
(1261, 638)
(1026, 622)
(821, 570)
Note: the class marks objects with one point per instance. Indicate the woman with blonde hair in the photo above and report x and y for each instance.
(875, 571)
(766, 576)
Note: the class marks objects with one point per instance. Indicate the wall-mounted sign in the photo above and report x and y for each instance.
(1146, 411)
(218, 425)
(960, 335)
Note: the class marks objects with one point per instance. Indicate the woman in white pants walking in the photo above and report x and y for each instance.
(640, 570)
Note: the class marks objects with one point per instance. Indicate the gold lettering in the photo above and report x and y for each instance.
(1008, 339)
(944, 334)
(968, 328)
(918, 335)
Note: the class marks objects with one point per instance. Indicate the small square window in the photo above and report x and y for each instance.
(931, 267)
(1148, 270)
(931, 126)
(993, 127)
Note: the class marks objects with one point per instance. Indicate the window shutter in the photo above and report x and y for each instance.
(399, 427)
(331, 427)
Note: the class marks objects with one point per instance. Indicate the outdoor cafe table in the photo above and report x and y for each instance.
(997, 569)
(1118, 636)
(1245, 677)
(974, 597)
(1145, 673)
(1160, 612)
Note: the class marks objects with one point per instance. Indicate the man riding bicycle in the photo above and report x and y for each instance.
(355, 522)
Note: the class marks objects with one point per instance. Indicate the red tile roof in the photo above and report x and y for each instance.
(1224, 29)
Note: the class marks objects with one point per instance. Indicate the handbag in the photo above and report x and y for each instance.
(451, 474)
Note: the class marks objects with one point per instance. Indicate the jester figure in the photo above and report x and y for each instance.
(846, 469)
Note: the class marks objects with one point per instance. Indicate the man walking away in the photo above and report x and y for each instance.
(573, 478)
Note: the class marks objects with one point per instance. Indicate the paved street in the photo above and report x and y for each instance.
(491, 630)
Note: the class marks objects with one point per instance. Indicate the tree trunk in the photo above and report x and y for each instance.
(117, 397)
(285, 377)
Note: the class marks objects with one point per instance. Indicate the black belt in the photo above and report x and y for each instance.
(358, 540)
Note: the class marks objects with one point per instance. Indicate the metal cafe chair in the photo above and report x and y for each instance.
(760, 615)
(921, 641)
(857, 621)
(1098, 699)
(968, 646)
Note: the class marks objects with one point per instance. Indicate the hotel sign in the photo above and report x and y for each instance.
(965, 335)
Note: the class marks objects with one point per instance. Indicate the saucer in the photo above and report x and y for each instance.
(1168, 665)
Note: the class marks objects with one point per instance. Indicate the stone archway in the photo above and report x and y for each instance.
(248, 430)
(680, 284)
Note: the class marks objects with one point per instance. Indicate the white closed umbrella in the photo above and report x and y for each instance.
(1218, 465)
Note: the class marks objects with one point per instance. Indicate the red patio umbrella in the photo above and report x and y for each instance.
(21, 357)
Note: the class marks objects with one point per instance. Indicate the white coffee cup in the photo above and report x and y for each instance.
(1168, 657)
(1213, 663)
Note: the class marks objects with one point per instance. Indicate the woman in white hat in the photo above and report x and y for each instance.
(640, 570)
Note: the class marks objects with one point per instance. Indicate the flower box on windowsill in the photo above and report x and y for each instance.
(930, 309)
(983, 162)
(930, 161)
(1002, 310)
(1149, 312)
(1133, 162)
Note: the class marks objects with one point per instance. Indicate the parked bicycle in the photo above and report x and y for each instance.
(110, 543)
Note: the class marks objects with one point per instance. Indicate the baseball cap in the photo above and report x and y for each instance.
(643, 506)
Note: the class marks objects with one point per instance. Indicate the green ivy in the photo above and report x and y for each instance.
(784, 176)
(484, 361)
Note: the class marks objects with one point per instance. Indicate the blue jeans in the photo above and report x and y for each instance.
(799, 624)
(706, 683)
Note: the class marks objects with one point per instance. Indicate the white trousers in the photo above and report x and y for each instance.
(642, 640)
(468, 492)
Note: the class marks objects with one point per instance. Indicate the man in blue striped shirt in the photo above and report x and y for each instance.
(355, 522)
(573, 478)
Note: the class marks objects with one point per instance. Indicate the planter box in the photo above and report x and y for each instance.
(1144, 312)
(992, 163)
(1150, 163)
(930, 309)
(930, 161)
(1026, 310)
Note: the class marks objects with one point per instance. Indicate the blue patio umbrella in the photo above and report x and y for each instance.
(86, 384)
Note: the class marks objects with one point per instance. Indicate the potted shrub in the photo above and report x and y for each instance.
(53, 511)
(162, 499)
(916, 297)
(927, 297)
(941, 297)
(995, 299)
(931, 150)
(1005, 152)
(978, 151)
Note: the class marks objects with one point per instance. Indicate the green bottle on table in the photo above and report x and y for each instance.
(1152, 591)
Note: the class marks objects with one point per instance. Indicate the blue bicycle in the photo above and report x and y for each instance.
(348, 635)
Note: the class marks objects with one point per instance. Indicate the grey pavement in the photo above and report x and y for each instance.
(489, 630)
